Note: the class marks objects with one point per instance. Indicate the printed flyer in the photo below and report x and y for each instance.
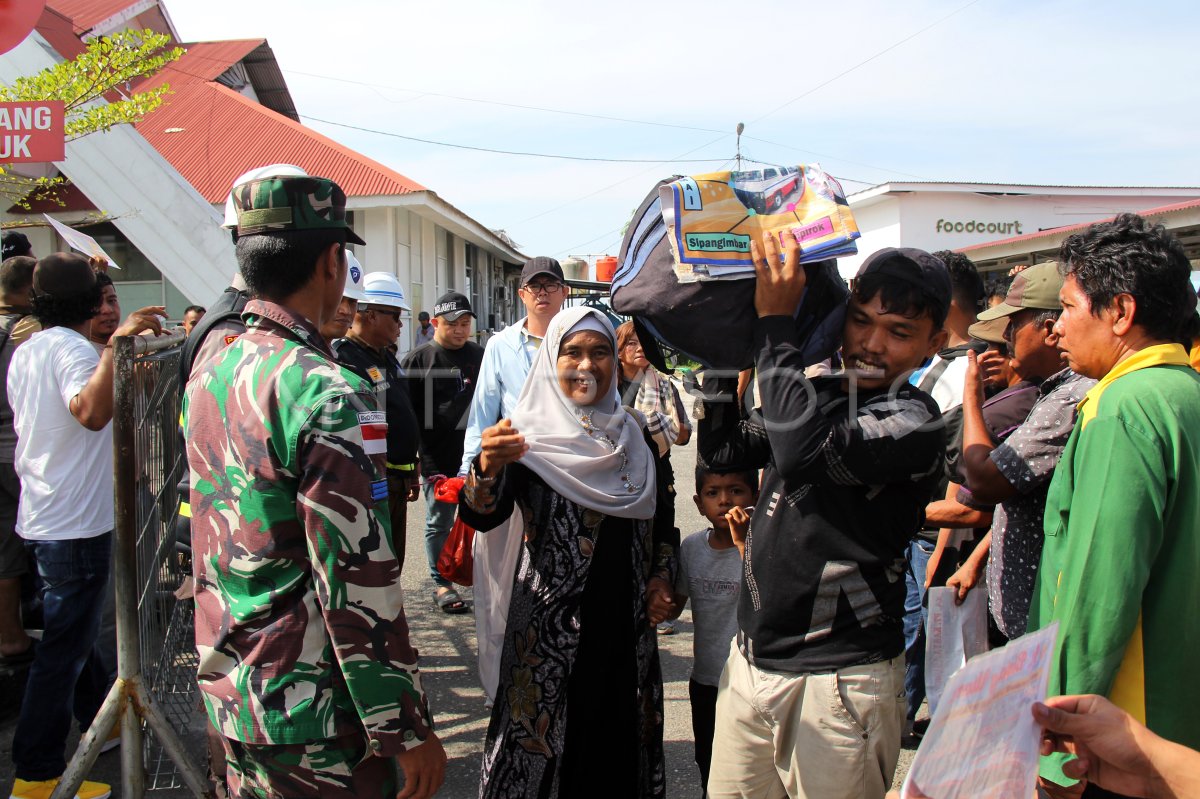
(983, 741)
(712, 218)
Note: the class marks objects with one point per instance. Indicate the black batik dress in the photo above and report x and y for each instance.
(579, 707)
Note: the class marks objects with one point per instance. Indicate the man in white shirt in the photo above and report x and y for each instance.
(61, 392)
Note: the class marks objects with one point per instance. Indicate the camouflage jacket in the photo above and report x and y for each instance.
(299, 618)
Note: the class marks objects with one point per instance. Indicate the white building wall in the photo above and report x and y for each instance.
(379, 230)
(948, 220)
(458, 263)
(880, 227)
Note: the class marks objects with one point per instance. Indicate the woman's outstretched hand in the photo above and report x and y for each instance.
(500, 445)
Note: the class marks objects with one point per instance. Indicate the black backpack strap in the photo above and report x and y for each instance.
(228, 306)
(7, 323)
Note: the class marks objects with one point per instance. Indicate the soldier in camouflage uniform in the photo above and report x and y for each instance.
(305, 664)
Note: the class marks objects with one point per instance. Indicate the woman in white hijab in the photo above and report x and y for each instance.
(578, 711)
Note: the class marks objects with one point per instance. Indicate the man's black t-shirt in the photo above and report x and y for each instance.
(381, 368)
(441, 382)
(845, 483)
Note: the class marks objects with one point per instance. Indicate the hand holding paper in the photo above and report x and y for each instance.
(983, 742)
(82, 242)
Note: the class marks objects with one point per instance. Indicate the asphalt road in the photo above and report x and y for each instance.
(447, 648)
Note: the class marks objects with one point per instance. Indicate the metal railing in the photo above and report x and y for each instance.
(156, 657)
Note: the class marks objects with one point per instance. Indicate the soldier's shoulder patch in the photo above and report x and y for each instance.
(230, 339)
(379, 490)
(373, 426)
(375, 374)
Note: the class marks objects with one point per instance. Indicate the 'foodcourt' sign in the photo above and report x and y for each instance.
(1010, 228)
(32, 132)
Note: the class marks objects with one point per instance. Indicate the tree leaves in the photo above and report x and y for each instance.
(106, 70)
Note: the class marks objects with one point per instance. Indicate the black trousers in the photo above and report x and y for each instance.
(704, 724)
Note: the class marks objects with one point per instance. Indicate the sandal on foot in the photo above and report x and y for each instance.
(450, 601)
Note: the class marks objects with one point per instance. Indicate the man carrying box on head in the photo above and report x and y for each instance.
(811, 701)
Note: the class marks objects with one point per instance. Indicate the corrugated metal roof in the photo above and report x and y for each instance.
(212, 134)
(269, 83)
(1162, 210)
(86, 13)
(59, 31)
(210, 60)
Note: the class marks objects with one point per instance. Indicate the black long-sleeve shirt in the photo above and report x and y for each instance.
(383, 370)
(845, 482)
(441, 383)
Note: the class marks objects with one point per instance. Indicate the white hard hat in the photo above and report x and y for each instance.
(382, 288)
(272, 171)
(354, 279)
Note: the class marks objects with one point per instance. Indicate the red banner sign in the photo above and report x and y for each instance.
(32, 132)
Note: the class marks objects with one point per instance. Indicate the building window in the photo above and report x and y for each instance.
(475, 279)
(135, 267)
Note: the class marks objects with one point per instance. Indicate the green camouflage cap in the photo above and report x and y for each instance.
(277, 204)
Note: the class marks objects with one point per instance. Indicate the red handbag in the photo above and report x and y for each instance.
(456, 563)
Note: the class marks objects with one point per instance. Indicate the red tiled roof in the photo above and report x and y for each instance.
(86, 13)
(209, 60)
(1059, 231)
(59, 31)
(217, 134)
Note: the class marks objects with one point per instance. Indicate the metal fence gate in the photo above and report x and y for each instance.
(156, 682)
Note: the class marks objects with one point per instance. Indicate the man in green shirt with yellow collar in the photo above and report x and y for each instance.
(1122, 553)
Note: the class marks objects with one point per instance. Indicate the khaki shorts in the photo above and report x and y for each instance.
(807, 736)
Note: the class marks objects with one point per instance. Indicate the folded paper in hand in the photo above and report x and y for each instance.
(956, 634)
(983, 741)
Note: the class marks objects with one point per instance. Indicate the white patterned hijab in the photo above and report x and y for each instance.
(595, 455)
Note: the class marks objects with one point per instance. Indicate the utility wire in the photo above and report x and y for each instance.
(676, 159)
(421, 93)
(866, 61)
(628, 120)
(516, 152)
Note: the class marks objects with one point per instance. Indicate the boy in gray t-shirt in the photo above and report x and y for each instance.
(710, 575)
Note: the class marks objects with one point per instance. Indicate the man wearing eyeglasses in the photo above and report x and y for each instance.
(370, 350)
(506, 363)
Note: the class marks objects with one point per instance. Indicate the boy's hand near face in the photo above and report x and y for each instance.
(739, 526)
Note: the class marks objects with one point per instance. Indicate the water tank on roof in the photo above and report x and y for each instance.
(606, 267)
(575, 269)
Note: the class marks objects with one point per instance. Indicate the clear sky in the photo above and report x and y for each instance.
(1014, 91)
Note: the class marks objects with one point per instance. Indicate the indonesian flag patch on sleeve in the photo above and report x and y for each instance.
(373, 425)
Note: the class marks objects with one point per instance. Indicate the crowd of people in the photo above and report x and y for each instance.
(1038, 442)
